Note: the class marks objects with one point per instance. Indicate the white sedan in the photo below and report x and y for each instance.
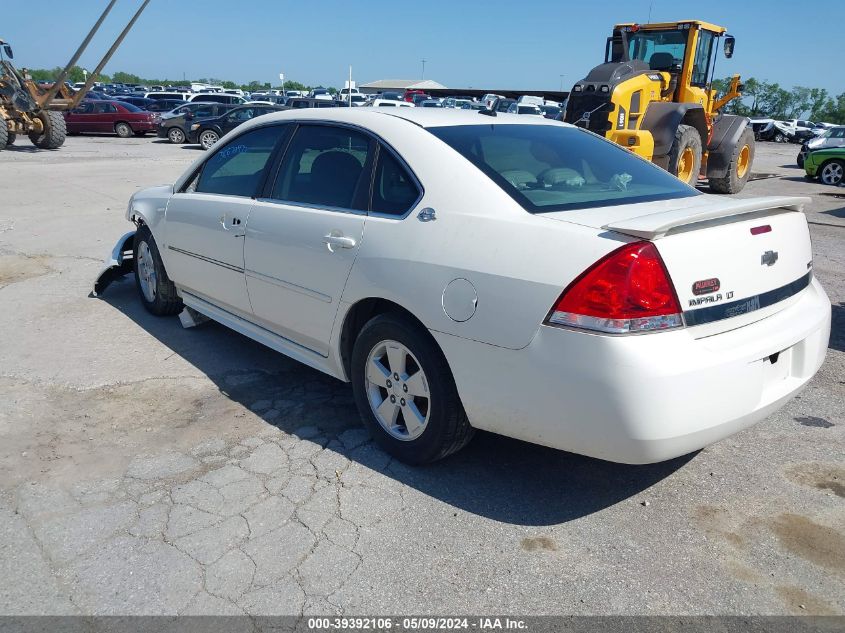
(507, 273)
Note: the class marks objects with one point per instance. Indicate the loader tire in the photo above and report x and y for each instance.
(4, 134)
(739, 169)
(685, 155)
(12, 137)
(54, 133)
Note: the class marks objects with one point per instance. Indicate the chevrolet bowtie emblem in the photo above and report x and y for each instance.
(768, 258)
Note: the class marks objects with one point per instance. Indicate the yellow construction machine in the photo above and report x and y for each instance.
(653, 95)
(34, 110)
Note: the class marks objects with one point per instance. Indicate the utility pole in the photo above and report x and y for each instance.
(561, 83)
(423, 69)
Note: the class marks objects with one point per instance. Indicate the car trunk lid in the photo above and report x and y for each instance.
(731, 261)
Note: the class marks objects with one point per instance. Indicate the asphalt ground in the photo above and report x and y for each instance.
(149, 469)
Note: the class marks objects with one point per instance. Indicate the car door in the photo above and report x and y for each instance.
(205, 221)
(105, 115)
(303, 235)
(77, 119)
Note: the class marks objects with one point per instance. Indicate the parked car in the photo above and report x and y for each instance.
(112, 117)
(175, 125)
(304, 102)
(391, 96)
(151, 105)
(832, 137)
(489, 98)
(473, 105)
(429, 103)
(409, 95)
(503, 105)
(389, 103)
(418, 97)
(455, 102)
(349, 240)
(217, 97)
(525, 108)
(827, 165)
(207, 132)
(320, 93)
(552, 112)
(183, 96)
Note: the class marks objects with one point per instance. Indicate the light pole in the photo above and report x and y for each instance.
(561, 83)
(423, 69)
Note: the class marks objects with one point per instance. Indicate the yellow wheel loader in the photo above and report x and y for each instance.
(27, 108)
(653, 95)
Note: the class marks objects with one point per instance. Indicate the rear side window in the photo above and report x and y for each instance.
(394, 191)
(237, 168)
(557, 168)
(325, 166)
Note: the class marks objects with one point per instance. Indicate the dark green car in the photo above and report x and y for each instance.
(827, 165)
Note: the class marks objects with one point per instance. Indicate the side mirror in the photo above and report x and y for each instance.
(730, 42)
(8, 51)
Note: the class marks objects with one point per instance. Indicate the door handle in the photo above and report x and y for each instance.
(332, 240)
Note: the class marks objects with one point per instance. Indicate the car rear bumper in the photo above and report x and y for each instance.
(641, 398)
(143, 126)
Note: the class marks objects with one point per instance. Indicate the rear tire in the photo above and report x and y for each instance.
(123, 130)
(4, 134)
(176, 136)
(832, 172)
(54, 132)
(391, 345)
(800, 160)
(780, 138)
(739, 168)
(12, 138)
(685, 155)
(156, 291)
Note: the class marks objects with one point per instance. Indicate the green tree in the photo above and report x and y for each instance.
(126, 78)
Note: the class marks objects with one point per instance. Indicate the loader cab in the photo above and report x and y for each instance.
(685, 50)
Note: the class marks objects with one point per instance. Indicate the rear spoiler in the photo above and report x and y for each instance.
(657, 225)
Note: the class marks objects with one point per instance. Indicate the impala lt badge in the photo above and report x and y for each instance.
(768, 258)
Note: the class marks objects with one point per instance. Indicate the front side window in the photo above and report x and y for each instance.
(237, 168)
(324, 166)
(702, 57)
(394, 191)
(558, 168)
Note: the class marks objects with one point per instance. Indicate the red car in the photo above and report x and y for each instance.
(409, 94)
(113, 117)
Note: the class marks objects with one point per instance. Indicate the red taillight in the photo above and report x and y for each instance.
(757, 230)
(628, 290)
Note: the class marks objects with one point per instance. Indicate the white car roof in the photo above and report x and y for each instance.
(422, 117)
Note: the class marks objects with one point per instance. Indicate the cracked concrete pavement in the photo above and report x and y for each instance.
(147, 469)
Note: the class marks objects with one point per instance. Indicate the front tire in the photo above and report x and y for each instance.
(780, 138)
(4, 134)
(123, 130)
(739, 168)
(157, 292)
(405, 392)
(11, 138)
(831, 173)
(685, 155)
(54, 130)
(208, 138)
(176, 136)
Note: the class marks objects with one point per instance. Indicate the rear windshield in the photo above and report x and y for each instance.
(558, 168)
(130, 107)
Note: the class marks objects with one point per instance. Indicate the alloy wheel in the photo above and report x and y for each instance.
(208, 138)
(832, 173)
(146, 271)
(397, 390)
(176, 135)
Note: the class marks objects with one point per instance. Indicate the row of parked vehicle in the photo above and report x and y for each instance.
(181, 116)
(788, 131)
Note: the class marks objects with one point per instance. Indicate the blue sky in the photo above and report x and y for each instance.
(489, 44)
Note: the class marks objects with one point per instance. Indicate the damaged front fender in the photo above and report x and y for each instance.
(119, 263)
